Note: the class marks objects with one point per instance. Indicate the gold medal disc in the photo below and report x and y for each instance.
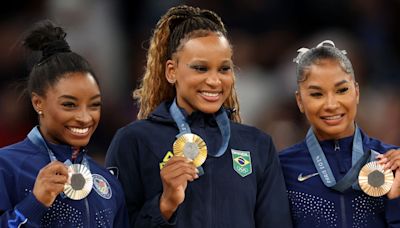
(80, 182)
(374, 180)
(192, 147)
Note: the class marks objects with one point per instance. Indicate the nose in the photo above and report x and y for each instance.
(331, 102)
(213, 79)
(83, 116)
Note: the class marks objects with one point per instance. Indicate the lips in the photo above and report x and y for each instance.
(79, 131)
(210, 96)
(333, 119)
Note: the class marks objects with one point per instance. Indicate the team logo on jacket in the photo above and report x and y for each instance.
(101, 186)
(166, 158)
(241, 162)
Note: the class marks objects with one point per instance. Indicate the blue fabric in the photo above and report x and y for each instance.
(19, 165)
(315, 205)
(220, 197)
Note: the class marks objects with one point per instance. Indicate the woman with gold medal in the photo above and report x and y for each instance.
(187, 161)
(48, 180)
(337, 176)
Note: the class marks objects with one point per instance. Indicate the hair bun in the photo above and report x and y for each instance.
(45, 36)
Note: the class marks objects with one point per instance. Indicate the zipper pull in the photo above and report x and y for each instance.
(337, 146)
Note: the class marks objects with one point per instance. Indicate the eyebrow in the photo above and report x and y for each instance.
(344, 81)
(204, 61)
(74, 98)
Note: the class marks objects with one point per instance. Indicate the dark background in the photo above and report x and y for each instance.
(113, 36)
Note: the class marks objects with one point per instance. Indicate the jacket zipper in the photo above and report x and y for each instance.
(87, 212)
(337, 146)
(343, 210)
(342, 199)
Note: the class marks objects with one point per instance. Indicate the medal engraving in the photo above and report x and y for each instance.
(77, 181)
(190, 150)
(374, 180)
(192, 147)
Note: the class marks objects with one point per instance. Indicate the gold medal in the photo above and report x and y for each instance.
(192, 147)
(374, 180)
(80, 182)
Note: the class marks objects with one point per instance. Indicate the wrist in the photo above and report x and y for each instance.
(167, 208)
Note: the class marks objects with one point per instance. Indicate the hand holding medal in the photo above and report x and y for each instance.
(391, 162)
(50, 182)
(175, 176)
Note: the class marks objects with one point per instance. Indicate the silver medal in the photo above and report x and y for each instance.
(80, 182)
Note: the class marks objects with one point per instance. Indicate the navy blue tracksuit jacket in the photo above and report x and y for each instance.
(219, 198)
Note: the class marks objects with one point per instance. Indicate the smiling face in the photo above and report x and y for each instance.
(71, 109)
(202, 71)
(329, 98)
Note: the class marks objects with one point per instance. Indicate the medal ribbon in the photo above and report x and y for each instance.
(359, 158)
(37, 139)
(222, 121)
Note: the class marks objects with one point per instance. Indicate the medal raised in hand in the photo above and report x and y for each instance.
(192, 147)
(80, 182)
(374, 180)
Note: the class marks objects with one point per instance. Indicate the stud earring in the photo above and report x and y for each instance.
(40, 112)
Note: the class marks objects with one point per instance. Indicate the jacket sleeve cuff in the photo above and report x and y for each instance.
(32, 209)
(155, 213)
(392, 208)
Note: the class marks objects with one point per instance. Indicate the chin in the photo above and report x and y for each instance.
(78, 143)
(335, 132)
(209, 108)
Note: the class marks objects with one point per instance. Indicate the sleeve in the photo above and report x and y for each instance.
(392, 209)
(123, 157)
(29, 211)
(272, 207)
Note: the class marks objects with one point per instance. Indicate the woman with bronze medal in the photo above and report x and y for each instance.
(187, 161)
(338, 176)
(48, 180)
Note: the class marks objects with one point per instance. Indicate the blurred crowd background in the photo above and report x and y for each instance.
(114, 35)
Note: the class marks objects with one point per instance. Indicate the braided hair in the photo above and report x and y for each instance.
(174, 28)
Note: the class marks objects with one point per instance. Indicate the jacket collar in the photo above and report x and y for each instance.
(161, 114)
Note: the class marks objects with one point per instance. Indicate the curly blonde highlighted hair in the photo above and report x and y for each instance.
(177, 24)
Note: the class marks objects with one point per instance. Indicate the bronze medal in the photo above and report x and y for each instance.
(374, 180)
(80, 182)
(192, 147)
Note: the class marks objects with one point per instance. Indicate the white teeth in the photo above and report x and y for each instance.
(332, 117)
(79, 130)
(210, 94)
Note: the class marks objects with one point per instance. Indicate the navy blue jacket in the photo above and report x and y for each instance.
(220, 197)
(20, 164)
(315, 205)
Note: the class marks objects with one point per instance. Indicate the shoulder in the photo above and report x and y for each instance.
(136, 129)
(293, 151)
(249, 132)
(18, 151)
(376, 144)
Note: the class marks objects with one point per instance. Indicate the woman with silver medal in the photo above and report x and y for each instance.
(338, 176)
(187, 161)
(47, 180)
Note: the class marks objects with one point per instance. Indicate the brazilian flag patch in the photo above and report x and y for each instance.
(241, 162)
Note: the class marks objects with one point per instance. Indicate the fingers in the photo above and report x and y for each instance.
(390, 160)
(50, 182)
(179, 167)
